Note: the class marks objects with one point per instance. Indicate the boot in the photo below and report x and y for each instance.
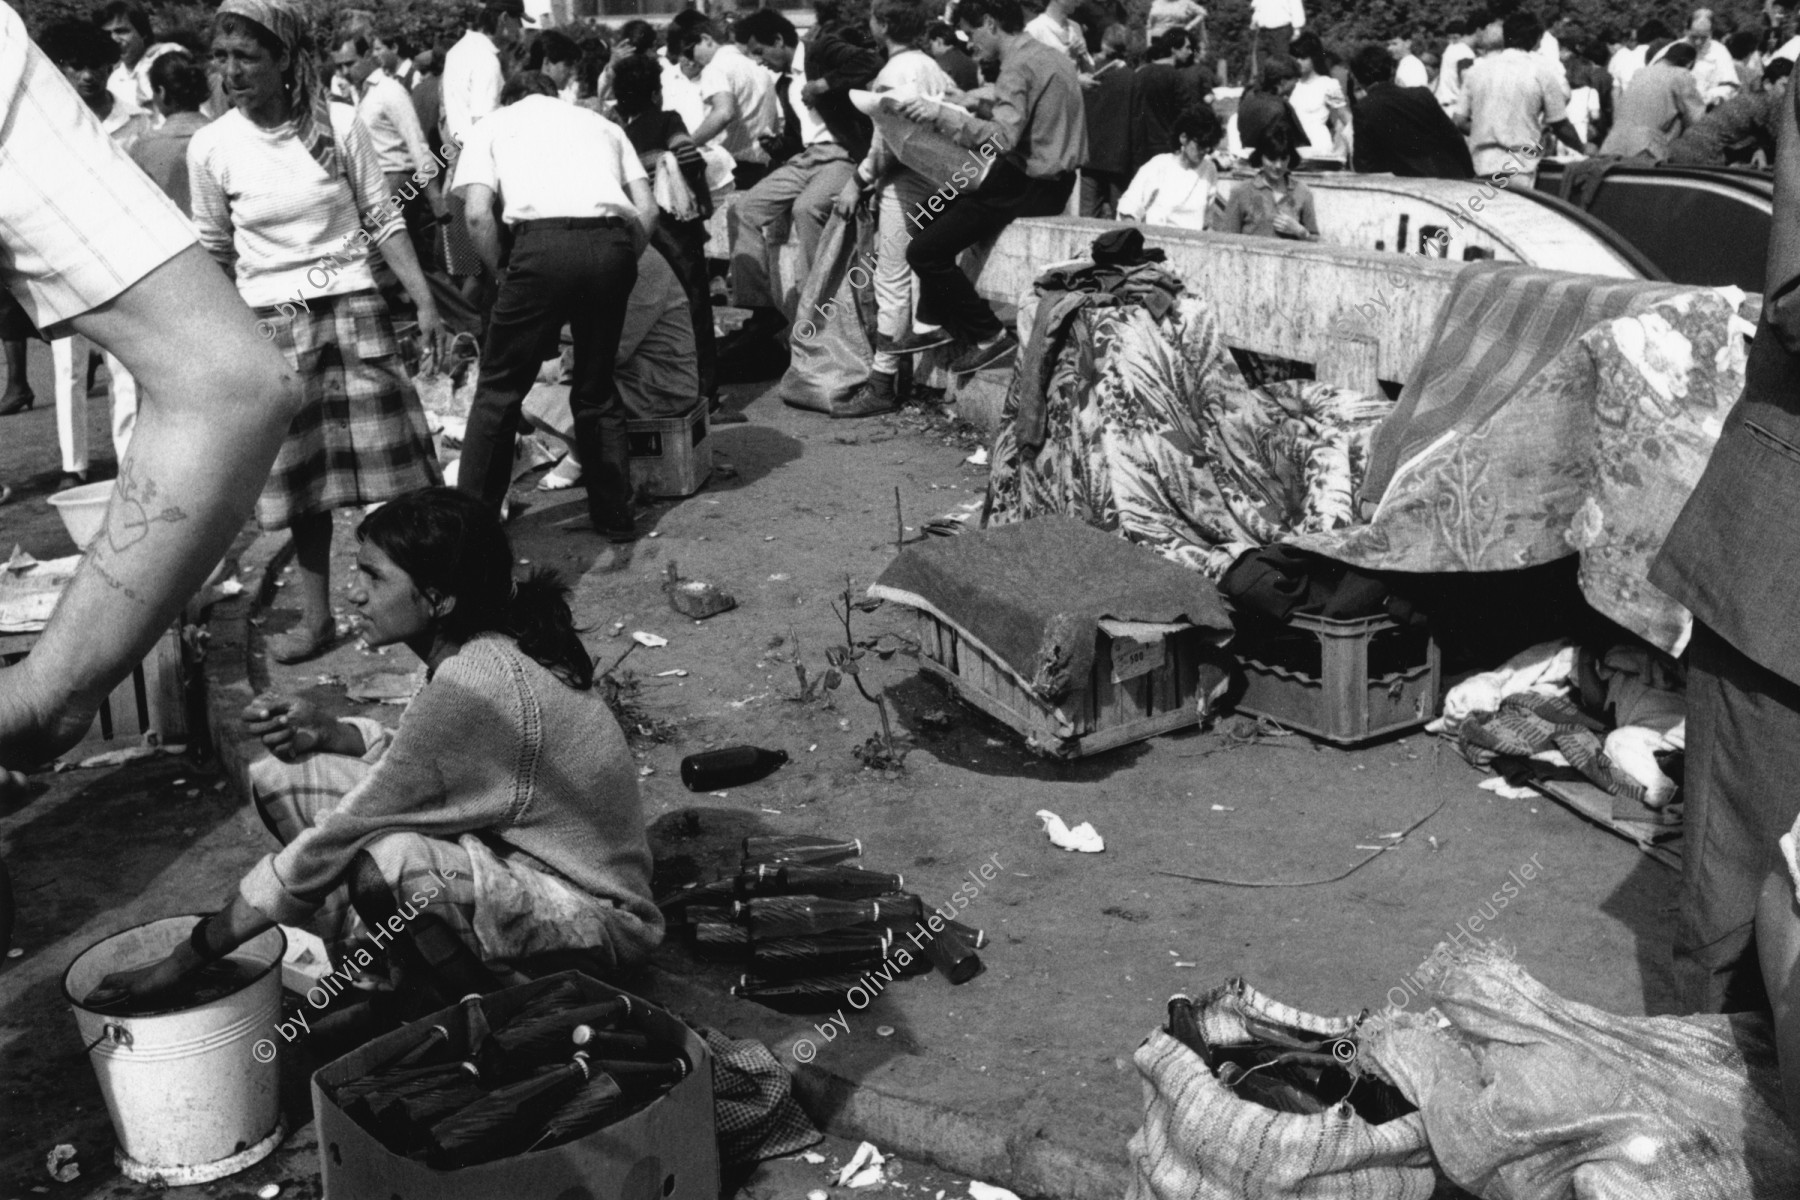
(18, 396)
(876, 396)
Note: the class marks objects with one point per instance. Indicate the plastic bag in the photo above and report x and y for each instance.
(439, 392)
(1529, 1096)
(1201, 1141)
(833, 332)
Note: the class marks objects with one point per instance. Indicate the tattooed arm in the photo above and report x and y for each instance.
(216, 402)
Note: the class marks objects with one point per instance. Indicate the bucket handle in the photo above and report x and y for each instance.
(116, 1034)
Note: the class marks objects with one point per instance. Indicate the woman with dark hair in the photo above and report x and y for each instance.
(289, 194)
(178, 87)
(1318, 100)
(500, 820)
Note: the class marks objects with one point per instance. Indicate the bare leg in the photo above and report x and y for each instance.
(312, 566)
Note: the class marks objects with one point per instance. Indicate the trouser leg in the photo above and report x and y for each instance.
(947, 295)
(1743, 754)
(608, 265)
(759, 213)
(683, 243)
(69, 356)
(812, 208)
(896, 295)
(527, 316)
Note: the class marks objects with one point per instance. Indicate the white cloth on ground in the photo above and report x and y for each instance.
(1632, 749)
(1544, 669)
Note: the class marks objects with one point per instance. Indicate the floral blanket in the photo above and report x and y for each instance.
(1153, 433)
(1594, 454)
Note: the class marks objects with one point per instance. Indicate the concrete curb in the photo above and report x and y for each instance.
(1018, 1151)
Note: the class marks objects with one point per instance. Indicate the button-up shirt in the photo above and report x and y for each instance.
(1039, 123)
(78, 223)
(1509, 99)
(1273, 14)
(812, 127)
(753, 87)
(472, 83)
(545, 158)
(387, 111)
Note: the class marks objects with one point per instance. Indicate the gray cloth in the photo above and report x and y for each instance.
(1660, 104)
(1034, 593)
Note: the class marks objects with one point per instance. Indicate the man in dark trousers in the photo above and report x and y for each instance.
(1403, 131)
(1733, 558)
(1035, 137)
(580, 210)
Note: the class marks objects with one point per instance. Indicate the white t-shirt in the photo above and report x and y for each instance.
(681, 96)
(912, 70)
(1314, 101)
(1171, 14)
(753, 87)
(1450, 73)
(813, 130)
(1166, 191)
(545, 158)
(1410, 72)
(1626, 63)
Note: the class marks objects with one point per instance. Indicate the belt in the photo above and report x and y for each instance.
(572, 223)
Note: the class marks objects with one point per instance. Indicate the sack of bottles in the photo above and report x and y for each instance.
(814, 930)
(1248, 1096)
(472, 1088)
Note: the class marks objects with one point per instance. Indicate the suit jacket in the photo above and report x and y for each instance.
(1406, 131)
(1733, 556)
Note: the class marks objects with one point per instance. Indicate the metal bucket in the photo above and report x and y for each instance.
(189, 1099)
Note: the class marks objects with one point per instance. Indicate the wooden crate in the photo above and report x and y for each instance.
(1098, 717)
(671, 458)
(151, 700)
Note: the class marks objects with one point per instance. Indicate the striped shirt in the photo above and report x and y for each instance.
(78, 222)
(262, 202)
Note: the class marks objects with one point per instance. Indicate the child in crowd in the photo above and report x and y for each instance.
(1180, 189)
(1273, 203)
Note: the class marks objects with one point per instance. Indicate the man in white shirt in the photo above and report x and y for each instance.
(471, 90)
(1179, 189)
(388, 114)
(129, 27)
(1273, 24)
(742, 114)
(1458, 54)
(1057, 29)
(580, 209)
(1715, 74)
(827, 136)
(1409, 71)
(1509, 100)
(86, 56)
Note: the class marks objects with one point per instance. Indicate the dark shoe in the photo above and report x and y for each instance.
(19, 403)
(618, 535)
(301, 644)
(71, 479)
(983, 355)
(918, 343)
(871, 399)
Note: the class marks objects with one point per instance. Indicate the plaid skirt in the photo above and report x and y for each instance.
(360, 436)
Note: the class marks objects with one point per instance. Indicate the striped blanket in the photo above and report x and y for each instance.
(1553, 415)
(1503, 326)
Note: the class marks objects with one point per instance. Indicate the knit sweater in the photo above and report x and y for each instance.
(497, 745)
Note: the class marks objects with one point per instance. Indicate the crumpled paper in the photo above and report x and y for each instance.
(1083, 837)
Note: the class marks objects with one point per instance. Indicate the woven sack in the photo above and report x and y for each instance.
(1527, 1095)
(833, 342)
(1201, 1141)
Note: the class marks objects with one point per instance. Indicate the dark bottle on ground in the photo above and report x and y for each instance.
(954, 958)
(734, 766)
(841, 951)
(719, 940)
(801, 916)
(833, 883)
(792, 849)
(819, 994)
(1184, 1027)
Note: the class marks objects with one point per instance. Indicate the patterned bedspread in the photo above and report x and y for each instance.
(1152, 433)
(1593, 454)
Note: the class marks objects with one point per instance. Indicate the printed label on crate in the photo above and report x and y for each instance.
(1133, 658)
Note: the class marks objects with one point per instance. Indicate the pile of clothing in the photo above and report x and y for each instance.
(1617, 719)
(1126, 412)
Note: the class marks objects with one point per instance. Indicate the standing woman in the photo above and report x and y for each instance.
(287, 190)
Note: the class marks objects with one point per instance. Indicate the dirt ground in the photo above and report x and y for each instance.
(1086, 948)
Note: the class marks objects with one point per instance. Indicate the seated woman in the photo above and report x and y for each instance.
(500, 820)
(1180, 189)
(1272, 203)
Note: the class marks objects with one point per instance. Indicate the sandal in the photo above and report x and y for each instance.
(299, 644)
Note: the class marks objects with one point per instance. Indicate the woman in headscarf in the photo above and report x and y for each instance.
(288, 193)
